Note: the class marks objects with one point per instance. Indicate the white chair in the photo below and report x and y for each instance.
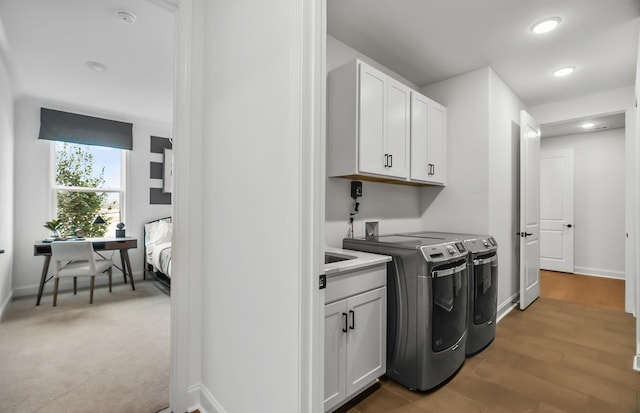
(76, 259)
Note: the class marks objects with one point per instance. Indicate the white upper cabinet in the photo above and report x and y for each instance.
(373, 109)
(398, 128)
(428, 140)
(368, 123)
(370, 129)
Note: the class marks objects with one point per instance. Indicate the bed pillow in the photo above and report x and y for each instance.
(158, 232)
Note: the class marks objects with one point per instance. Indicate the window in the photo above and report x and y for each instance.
(88, 181)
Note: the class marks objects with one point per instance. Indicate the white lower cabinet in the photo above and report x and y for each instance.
(354, 345)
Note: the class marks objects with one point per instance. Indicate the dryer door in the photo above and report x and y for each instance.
(449, 305)
(484, 288)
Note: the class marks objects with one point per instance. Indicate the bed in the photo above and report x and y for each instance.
(157, 251)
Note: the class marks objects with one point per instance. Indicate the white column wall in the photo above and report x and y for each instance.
(6, 182)
(247, 128)
(33, 202)
(599, 200)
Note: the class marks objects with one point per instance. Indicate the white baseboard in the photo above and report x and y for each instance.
(202, 399)
(5, 304)
(506, 307)
(599, 272)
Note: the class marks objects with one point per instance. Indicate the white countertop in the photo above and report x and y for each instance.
(360, 260)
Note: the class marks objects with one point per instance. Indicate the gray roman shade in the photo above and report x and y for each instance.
(61, 126)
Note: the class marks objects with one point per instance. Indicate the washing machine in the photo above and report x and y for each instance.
(427, 298)
(482, 265)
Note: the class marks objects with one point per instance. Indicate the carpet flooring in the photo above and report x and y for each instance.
(110, 356)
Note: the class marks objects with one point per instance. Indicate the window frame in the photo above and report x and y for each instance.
(55, 188)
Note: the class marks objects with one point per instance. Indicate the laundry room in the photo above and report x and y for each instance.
(484, 164)
(482, 202)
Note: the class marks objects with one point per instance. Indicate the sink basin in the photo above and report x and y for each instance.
(332, 257)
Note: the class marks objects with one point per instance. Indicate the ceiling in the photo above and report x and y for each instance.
(49, 42)
(427, 41)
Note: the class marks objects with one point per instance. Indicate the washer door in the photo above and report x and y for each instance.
(449, 304)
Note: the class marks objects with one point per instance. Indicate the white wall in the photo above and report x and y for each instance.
(599, 199)
(611, 101)
(481, 195)
(339, 53)
(33, 201)
(6, 183)
(504, 183)
(395, 207)
(462, 206)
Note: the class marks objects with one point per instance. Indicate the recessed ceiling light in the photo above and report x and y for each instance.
(126, 16)
(564, 71)
(588, 125)
(97, 66)
(546, 25)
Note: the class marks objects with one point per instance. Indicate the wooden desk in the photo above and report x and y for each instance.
(99, 244)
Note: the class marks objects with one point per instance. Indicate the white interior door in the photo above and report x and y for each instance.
(529, 210)
(556, 210)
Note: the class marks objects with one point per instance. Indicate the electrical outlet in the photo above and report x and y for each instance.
(371, 229)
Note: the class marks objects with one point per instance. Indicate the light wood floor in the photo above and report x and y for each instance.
(555, 357)
(582, 289)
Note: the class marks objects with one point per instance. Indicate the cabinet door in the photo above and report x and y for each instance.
(367, 339)
(420, 167)
(372, 120)
(335, 353)
(398, 133)
(437, 142)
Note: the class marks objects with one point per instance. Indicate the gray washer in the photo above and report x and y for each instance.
(426, 307)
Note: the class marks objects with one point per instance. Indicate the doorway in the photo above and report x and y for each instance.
(584, 241)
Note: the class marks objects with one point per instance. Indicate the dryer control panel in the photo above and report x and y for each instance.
(443, 252)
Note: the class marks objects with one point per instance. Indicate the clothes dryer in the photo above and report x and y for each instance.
(482, 263)
(427, 298)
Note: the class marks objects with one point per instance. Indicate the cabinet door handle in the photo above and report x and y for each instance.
(344, 319)
(386, 160)
(433, 169)
(390, 161)
(353, 320)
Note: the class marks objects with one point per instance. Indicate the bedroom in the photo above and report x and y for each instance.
(32, 166)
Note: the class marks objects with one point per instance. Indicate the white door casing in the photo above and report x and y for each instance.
(556, 210)
(529, 210)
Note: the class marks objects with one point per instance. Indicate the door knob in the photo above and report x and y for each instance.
(568, 226)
